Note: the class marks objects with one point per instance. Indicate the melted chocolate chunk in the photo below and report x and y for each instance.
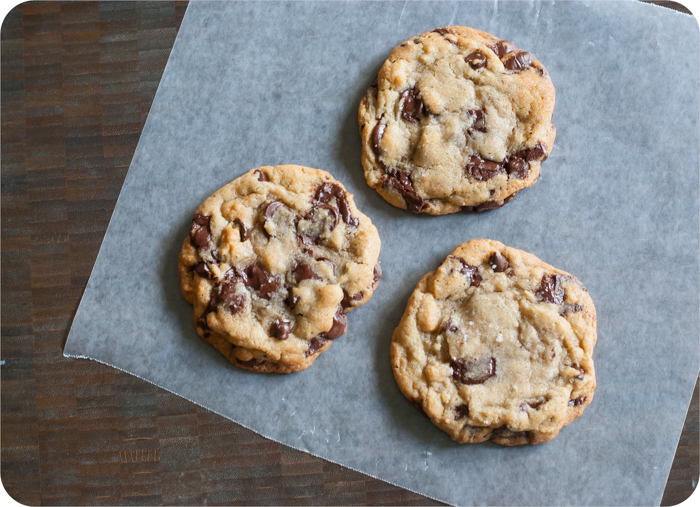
(489, 205)
(375, 82)
(348, 300)
(498, 262)
(242, 229)
(577, 401)
(461, 412)
(479, 124)
(224, 293)
(471, 272)
(476, 60)
(261, 176)
(568, 308)
(580, 370)
(482, 170)
(291, 299)
(550, 289)
(200, 233)
(333, 211)
(532, 404)
(518, 61)
(271, 208)
(340, 324)
(329, 190)
(315, 345)
(442, 31)
(280, 329)
(302, 271)
(473, 372)
(504, 432)
(503, 47)
(517, 167)
(401, 181)
(377, 134)
(203, 270)
(249, 363)
(305, 240)
(412, 106)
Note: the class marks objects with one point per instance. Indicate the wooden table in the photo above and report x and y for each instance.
(78, 80)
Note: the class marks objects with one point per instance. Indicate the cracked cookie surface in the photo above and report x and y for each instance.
(497, 345)
(273, 262)
(457, 119)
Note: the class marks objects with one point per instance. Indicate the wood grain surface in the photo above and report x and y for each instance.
(78, 80)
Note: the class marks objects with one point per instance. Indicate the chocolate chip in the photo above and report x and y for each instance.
(476, 60)
(202, 322)
(250, 363)
(376, 273)
(471, 272)
(401, 181)
(577, 401)
(524, 407)
(473, 372)
(302, 271)
(411, 106)
(261, 176)
(305, 240)
(550, 289)
(580, 370)
(461, 412)
(203, 270)
(280, 329)
(442, 31)
(340, 324)
(315, 345)
(271, 208)
(569, 308)
(503, 47)
(291, 300)
(329, 190)
(482, 170)
(416, 41)
(479, 124)
(200, 233)
(498, 262)
(449, 326)
(489, 205)
(518, 61)
(242, 229)
(348, 300)
(517, 167)
(377, 134)
(375, 82)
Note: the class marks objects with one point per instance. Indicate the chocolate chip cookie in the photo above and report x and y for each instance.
(457, 119)
(273, 262)
(497, 345)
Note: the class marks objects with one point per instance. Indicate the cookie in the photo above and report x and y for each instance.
(497, 345)
(457, 119)
(273, 262)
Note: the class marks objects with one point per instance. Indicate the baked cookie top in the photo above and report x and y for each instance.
(457, 120)
(272, 263)
(497, 345)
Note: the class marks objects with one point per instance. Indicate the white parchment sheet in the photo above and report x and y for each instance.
(251, 84)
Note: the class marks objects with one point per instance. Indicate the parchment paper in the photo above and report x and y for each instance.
(251, 84)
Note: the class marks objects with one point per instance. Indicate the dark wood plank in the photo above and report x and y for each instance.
(78, 80)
